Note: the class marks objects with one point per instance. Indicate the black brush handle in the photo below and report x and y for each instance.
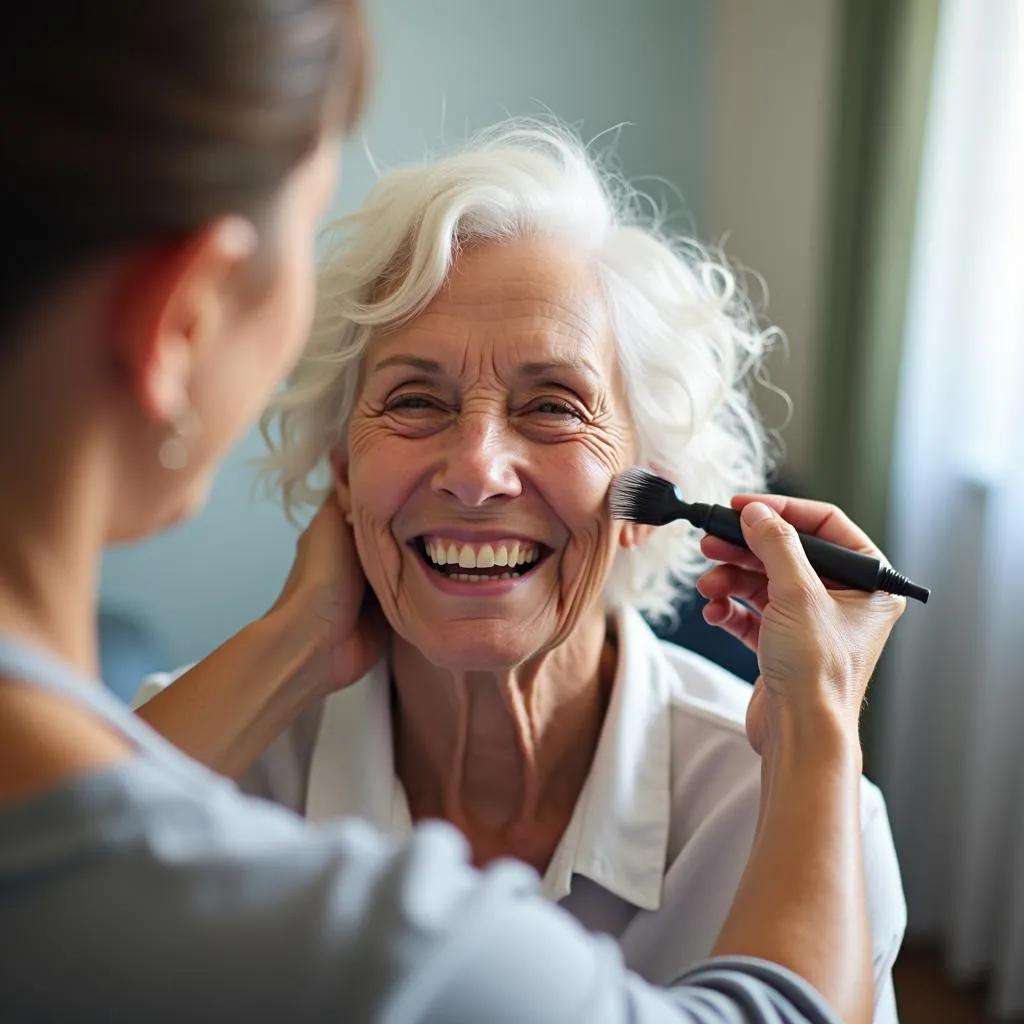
(831, 561)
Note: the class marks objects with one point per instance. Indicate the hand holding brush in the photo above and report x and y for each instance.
(641, 497)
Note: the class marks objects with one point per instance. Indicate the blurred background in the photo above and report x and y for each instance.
(867, 158)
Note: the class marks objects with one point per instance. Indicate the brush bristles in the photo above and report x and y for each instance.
(638, 496)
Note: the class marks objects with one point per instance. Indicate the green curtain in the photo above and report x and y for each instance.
(886, 51)
(885, 76)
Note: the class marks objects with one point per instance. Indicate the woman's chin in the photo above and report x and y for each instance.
(134, 525)
(477, 647)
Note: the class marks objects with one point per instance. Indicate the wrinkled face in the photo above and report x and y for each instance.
(479, 456)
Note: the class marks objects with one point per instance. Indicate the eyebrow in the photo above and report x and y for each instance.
(535, 369)
(541, 369)
(416, 362)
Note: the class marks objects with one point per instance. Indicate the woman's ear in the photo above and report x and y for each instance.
(339, 473)
(632, 535)
(172, 301)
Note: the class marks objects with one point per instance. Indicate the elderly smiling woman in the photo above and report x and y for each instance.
(499, 334)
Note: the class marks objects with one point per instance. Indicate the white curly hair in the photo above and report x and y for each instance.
(689, 339)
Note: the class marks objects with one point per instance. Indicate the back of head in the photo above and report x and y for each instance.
(129, 122)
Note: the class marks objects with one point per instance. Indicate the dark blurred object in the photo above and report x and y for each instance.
(692, 632)
(129, 651)
(130, 125)
(925, 995)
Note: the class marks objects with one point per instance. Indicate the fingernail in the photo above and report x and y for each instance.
(755, 513)
(712, 613)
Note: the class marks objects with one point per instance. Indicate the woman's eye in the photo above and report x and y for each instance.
(556, 407)
(411, 403)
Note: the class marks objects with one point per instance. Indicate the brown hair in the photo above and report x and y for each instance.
(130, 121)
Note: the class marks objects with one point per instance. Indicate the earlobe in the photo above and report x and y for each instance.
(633, 535)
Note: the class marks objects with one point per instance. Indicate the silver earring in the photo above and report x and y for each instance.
(173, 453)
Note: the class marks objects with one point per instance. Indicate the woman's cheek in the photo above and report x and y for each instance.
(360, 437)
(375, 496)
(581, 504)
(381, 562)
(581, 498)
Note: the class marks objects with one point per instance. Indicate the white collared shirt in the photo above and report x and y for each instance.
(661, 831)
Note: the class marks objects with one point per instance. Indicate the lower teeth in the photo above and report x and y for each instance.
(464, 577)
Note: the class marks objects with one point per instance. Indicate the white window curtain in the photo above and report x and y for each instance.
(952, 710)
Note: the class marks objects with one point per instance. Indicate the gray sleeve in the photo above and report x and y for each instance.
(217, 907)
(411, 934)
(527, 966)
(522, 960)
(741, 989)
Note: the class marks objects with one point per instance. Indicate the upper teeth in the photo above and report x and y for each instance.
(480, 556)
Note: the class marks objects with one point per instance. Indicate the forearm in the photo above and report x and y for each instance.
(227, 709)
(801, 902)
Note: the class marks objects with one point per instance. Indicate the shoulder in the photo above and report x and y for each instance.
(694, 736)
(706, 706)
(716, 775)
(696, 687)
(48, 741)
(696, 691)
(706, 696)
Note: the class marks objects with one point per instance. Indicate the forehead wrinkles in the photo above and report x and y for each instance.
(508, 304)
(474, 340)
(522, 287)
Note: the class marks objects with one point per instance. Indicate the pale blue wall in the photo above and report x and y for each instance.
(443, 67)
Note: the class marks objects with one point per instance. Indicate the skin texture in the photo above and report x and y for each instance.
(497, 412)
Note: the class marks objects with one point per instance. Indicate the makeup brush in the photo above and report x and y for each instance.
(641, 497)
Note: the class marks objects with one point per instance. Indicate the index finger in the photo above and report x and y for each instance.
(829, 522)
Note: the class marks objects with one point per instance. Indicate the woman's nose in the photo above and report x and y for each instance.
(479, 462)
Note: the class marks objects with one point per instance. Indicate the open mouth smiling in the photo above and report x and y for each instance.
(479, 562)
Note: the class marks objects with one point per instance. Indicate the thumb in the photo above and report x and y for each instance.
(776, 544)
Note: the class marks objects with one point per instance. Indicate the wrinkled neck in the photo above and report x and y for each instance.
(503, 754)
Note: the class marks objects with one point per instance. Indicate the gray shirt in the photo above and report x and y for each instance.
(154, 891)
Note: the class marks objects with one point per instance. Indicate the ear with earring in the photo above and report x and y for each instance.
(174, 450)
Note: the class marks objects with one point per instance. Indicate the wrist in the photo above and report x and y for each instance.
(822, 736)
(291, 641)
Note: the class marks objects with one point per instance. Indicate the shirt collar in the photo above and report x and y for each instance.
(618, 833)
(352, 769)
